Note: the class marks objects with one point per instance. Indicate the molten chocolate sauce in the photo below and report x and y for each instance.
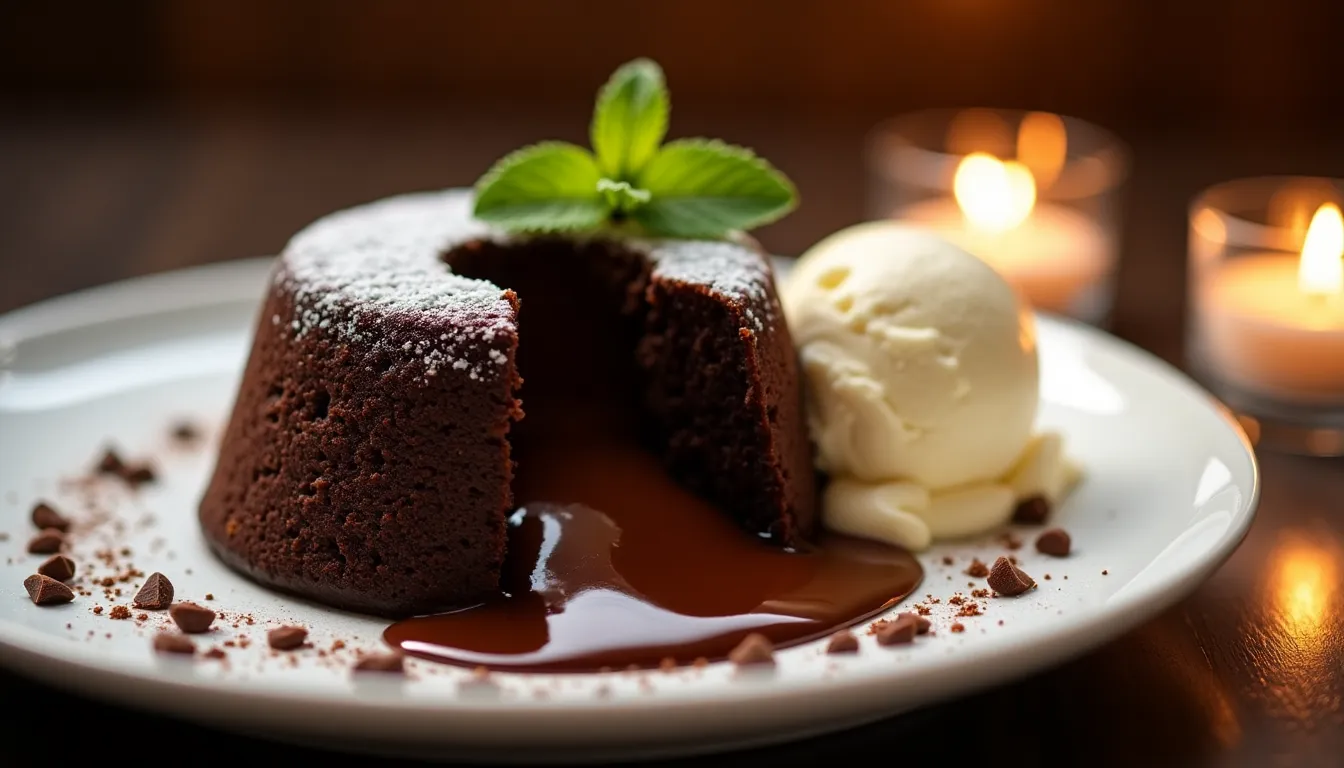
(611, 564)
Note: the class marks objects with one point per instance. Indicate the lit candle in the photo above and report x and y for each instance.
(1055, 256)
(1274, 324)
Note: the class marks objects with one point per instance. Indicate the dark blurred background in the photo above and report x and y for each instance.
(137, 136)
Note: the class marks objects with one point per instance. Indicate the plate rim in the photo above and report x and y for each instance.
(237, 280)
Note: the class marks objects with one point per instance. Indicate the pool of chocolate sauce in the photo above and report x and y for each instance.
(612, 564)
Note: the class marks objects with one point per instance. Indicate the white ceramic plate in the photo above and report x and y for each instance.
(1169, 492)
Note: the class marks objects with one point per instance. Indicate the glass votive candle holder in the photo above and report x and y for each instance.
(1266, 303)
(1034, 194)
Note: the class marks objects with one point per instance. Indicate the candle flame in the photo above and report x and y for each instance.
(1321, 270)
(993, 194)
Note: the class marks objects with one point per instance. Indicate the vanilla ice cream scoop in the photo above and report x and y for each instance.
(920, 359)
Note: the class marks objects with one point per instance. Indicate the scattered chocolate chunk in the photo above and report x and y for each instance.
(392, 661)
(191, 618)
(120, 612)
(754, 650)
(1032, 511)
(843, 641)
(138, 474)
(47, 542)
(111, 463)
(45, 516)
(977, 569)
(215, 653)
(1009, 580)
(958, 627)
(1103, 573)
(44, 590)
(172, 642)
(58, 567)
(922, 624)
(186, 432)
(898, 631)
(286, 638)
(1054, 542)
(156, 594)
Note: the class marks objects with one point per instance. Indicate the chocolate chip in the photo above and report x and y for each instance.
(898, 631)
(392, 661)
(977, 569)
(58, 567)
(172, 642)
(1009, 580)
(191, 618)
(922, 624)
(156, 594)
(286, 638)
(138, 474)
(843, 641)
(755, 649)
(111, 463)
(44, 590)
(1032, 511)
(45, 543)
(45, 516)
(1054, 542)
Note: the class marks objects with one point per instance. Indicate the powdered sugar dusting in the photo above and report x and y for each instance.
(728, 269)
(366, 274)
(375, 275)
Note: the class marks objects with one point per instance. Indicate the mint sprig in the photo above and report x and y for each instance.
(692, 188)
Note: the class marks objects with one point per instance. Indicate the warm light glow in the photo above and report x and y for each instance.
(1042, 146)
(1304, 578)
(1321, 271)
(993, 194)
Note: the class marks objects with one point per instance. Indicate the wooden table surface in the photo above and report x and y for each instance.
(1247, 671)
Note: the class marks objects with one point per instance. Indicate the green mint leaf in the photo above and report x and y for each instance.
(620, 196)
(550, 186)
(630, 119)
(703, 188)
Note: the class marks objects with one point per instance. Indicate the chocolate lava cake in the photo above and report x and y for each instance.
(367, 463)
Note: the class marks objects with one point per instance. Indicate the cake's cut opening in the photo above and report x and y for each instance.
(581, 319)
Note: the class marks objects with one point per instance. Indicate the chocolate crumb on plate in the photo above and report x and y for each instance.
(48, 542)
(172, 642)
(1009, 580)
(138, 474)
(156, 594)
(44, 590)
(843, 641)
(186, 432)
(120, 612)
(899, 630)
(977, 569)
(45, 516)
(191, 618)
(286, 638)
(111, 463)
(754, 650)
(1054, 542)
(58, 567)
(216, 653)
(391, 661)
(922, 624)
(958, 627)
(1032, 511)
